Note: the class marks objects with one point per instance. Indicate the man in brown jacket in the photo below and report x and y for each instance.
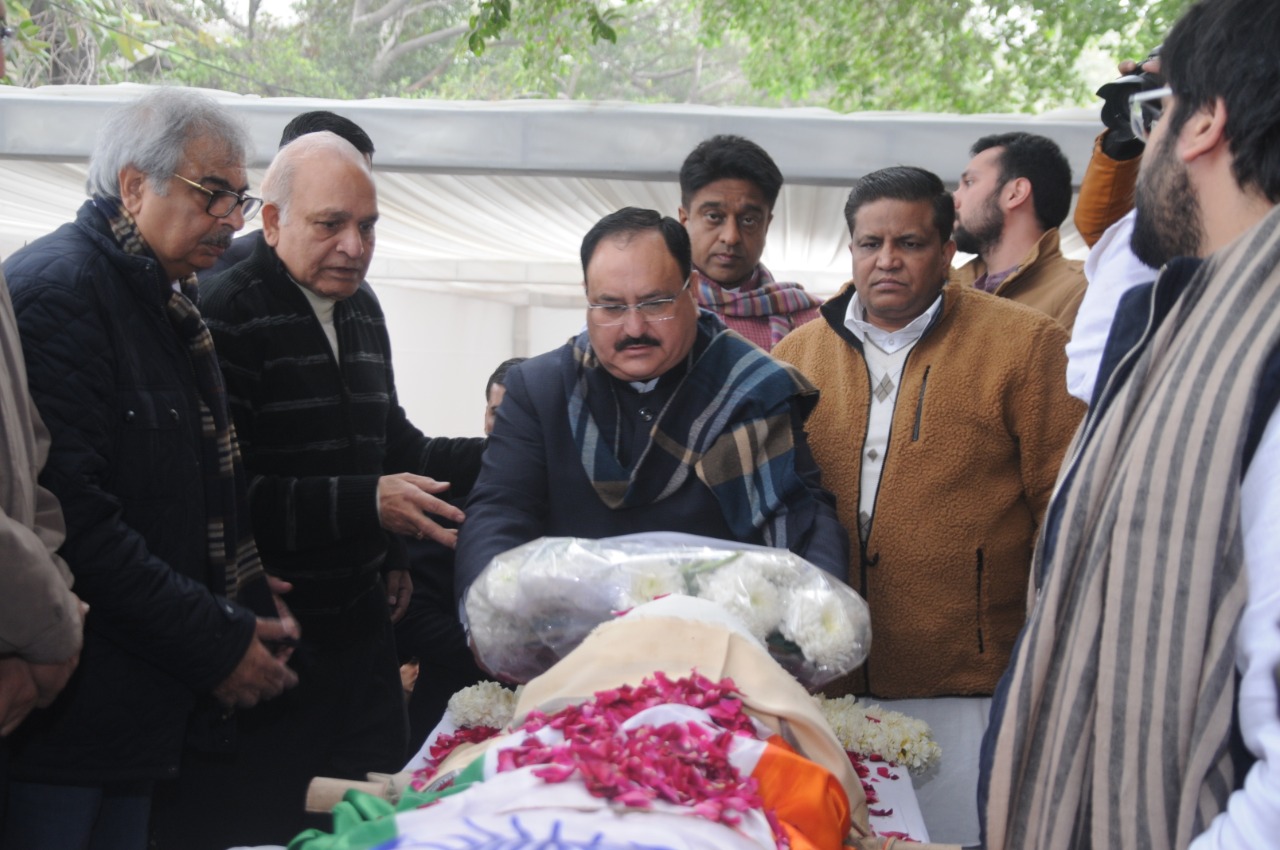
(942, 422)
(1010, 201)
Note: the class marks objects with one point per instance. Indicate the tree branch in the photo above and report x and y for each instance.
(655, 76)
(167, 12)
(383, 62)
(360, 18)
(435, 72)
(697, 73)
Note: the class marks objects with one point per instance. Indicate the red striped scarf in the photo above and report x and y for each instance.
(760, 297)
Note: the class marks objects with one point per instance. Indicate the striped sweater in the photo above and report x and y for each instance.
(316, 434)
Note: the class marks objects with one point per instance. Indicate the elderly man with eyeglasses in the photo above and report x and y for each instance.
(655, 418)
(183, 626)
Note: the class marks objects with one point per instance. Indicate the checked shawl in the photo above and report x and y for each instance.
(234, 567)
(729, 422)
(1116, 720)
(762, 297)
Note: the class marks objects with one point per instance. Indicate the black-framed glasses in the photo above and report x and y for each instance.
(1145, 109)
(653, 310)
(223, 202)
(6, 37)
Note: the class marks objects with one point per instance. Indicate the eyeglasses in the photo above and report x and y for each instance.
(1145, 109)
(223, 202)
(653, 310)
(6, 37)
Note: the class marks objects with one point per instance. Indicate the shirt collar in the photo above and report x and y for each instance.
(644, 386)
(888, 341)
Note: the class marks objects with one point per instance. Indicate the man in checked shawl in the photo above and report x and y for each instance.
(654, 418)
(1151, 644)
(728, 190)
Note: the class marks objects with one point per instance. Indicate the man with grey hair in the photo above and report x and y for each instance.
(337, 473)
(182, 626)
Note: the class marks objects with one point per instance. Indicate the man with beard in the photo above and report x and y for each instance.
(145, 464)
(1157, 597)
(1010, 201)
(655, 418)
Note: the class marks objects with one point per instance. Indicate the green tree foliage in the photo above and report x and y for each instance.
(79, 41)
(1000, 55)
(940, 55)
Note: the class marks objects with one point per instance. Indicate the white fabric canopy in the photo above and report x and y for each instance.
(483, 205)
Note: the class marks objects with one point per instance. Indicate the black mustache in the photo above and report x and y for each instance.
(635, 342)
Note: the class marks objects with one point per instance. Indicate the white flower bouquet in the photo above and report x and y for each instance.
(534, 604)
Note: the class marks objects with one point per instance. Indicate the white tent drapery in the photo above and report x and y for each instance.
(483, 205)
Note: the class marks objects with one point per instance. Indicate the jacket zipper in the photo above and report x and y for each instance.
(924, 382)
(863, 560)
(981, 645)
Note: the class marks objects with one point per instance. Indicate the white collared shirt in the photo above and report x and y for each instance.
(888, 341)
(885, 354)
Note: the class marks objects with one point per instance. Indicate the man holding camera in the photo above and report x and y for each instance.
(1104, 217)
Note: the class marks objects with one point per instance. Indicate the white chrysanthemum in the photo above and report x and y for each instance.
(485, 704)
(785, 570)
(640, 581)
(743, 591)
(500, 584)
(870, 730)
(822, 625)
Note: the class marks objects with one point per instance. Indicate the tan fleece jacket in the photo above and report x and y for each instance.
(1044, 280)
(981, 423)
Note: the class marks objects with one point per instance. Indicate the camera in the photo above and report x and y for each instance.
(1115, 97)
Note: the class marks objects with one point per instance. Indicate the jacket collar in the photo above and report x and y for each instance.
(835, 308)
(1047, 247)
(141, 274)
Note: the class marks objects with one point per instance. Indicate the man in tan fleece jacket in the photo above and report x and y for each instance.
(943, 419)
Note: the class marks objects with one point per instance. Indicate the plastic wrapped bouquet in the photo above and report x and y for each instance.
(533, 604)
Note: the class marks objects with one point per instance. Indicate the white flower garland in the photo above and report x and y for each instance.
(870, 730)
(485, 704)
